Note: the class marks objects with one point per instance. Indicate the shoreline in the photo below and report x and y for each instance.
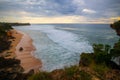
(28, 61)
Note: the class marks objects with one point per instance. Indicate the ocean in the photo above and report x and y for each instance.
(60, 45)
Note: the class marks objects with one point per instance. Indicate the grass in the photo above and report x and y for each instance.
(41, 76)
(71, 73)
(101, 70)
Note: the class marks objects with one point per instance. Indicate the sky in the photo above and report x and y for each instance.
(60, 11)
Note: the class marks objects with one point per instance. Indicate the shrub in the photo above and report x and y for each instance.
(101, 70)
(86, 59)
(41, 76)
(74, 73)
(101, 53)
(116, 25)
(85, 76)
(4, 38)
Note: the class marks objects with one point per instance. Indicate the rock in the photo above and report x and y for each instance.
(116, 26)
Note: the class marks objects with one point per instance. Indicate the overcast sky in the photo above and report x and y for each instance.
(59, 11)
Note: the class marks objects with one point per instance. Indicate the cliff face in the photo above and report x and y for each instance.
(118, 32)
(116, 27)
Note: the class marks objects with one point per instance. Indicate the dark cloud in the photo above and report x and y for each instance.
(101, 8)
(53, 7)
(40, 7)
(65, 7)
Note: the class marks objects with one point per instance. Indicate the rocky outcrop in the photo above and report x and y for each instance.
(116, 26)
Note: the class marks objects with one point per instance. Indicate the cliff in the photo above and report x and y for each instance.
(116, 27)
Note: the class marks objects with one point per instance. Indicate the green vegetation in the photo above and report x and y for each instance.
(5, 37)
(86, 59)
(41, 76)
(98, 65)
(74, 73)
(101, 70)
(116, 25)
(115, 52)
(10, 68)
(92, 66)
(15, 24)
(102, 54)
(100, 61)
(71, 73)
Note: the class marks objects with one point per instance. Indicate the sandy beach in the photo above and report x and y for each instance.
(28, 61)
(11, 52)
(26, 55)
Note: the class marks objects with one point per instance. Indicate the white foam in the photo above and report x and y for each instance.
(56, 48)
(68, 40)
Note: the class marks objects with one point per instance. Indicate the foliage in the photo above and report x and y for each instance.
(101, 70)
(101, 53)
(71, 73)
(41, 76)
(86, 59)
(4, 38)
(100, 59)
(15, 24)
(5, 27)
(10, 69)
(4, 45)
(75, 73)
(115, 52)
(8, 62)
(116, 25)
(85, 76)
(99, 62)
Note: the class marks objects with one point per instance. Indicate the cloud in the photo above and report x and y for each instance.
(88, 11)
(78, 2)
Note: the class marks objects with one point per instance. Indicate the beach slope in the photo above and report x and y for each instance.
(25, 53)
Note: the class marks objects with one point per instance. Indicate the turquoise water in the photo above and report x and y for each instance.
(60, 45)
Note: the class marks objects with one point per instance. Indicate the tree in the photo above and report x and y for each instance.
(101, 53)
(4, 37)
